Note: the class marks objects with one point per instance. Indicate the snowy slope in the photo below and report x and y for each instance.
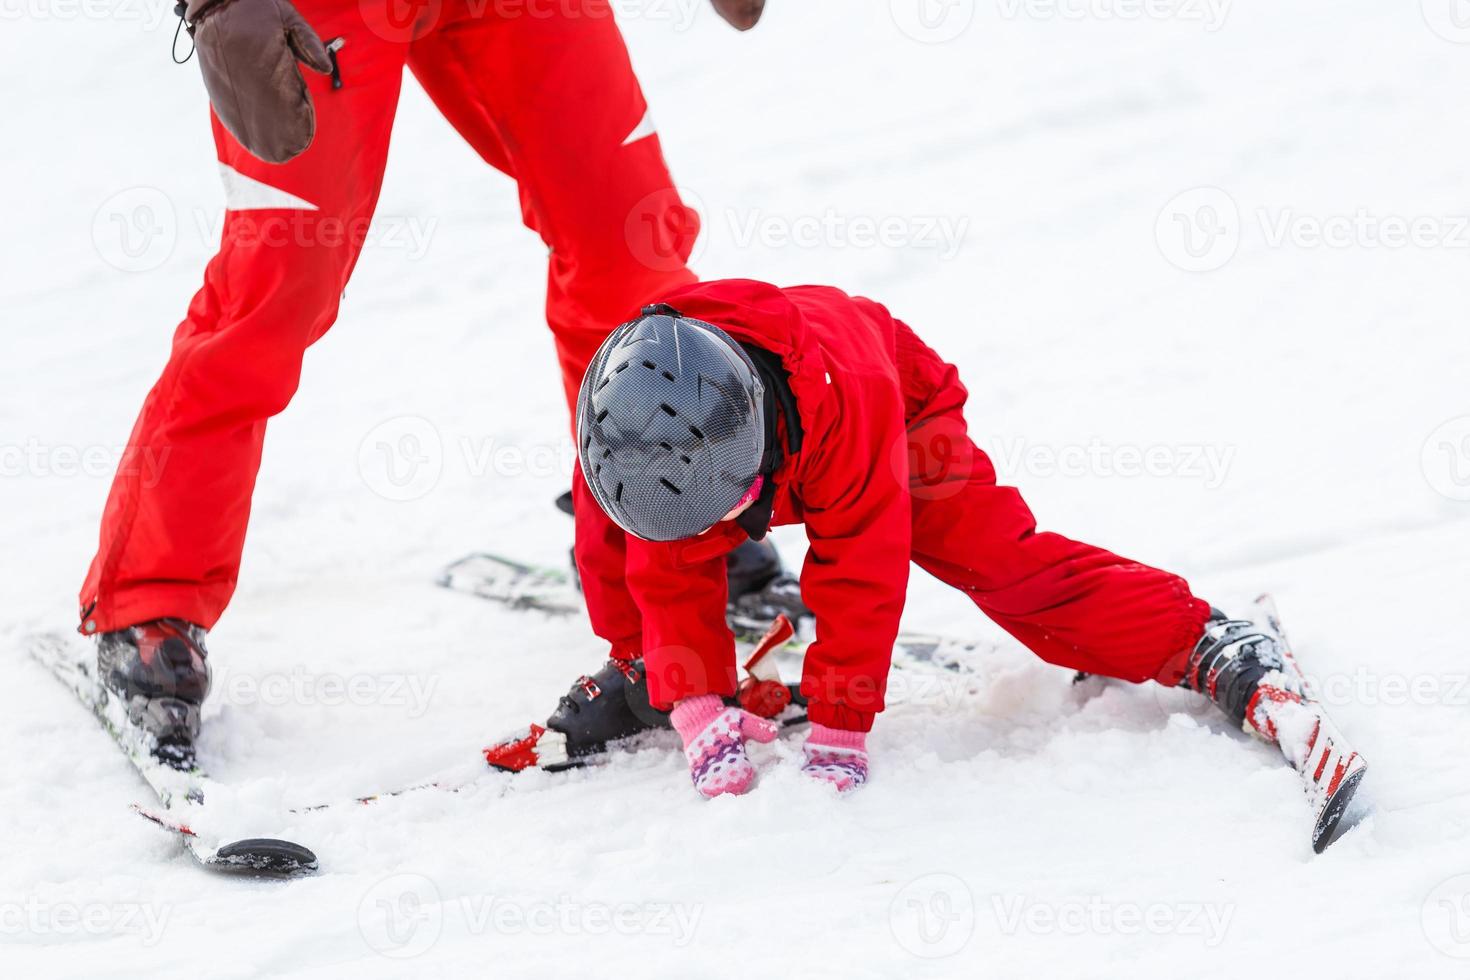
(1029, 173)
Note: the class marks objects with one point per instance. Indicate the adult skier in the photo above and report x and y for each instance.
(543, 92)
(735, 405)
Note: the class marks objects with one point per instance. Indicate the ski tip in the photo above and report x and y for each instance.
(265, 856)
(1342, 813)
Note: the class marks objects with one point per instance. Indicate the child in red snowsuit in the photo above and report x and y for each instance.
(882, 472)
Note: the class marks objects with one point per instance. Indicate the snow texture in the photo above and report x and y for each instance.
(1021, 164)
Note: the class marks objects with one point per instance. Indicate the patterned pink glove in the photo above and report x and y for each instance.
(714, 743)
(837, 757)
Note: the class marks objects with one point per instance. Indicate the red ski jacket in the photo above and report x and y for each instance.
(848, 485)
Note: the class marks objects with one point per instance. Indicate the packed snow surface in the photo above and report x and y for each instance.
(1203, 266)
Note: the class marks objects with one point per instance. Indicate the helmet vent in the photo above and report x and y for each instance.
(650, 365)
(697, 434)
(671, 488)
(600, 416)
(619, 495)
(670, 376)
(669, 408)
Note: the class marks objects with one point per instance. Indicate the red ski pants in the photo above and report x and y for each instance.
(1070, 603)
(544, 93)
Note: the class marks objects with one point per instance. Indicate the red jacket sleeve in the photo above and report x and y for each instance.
(681, 588)
(663, 602)
(855, 498)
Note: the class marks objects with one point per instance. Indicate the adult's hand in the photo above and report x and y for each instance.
(248, 52)
(742, 14)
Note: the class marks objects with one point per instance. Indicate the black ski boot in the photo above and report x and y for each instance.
(160, 672)
(610, 705)
(1231, 663)
(1248, 671)
(760, 588)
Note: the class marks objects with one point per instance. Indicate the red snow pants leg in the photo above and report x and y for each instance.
(1072, 604)
(546, 95)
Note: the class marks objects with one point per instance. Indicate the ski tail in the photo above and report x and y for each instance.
(1332, 771)
(180, 791)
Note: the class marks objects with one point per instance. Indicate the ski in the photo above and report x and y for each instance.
(180, 792)
(539, 588)
(514, 584)
(1331, 770)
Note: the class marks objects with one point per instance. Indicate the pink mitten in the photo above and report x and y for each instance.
(714, 743)
(837, 757)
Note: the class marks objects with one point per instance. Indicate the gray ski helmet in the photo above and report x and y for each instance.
(670, 425)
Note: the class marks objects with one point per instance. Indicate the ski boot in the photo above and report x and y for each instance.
(760, 588)
(611, 704)
(761, 591)
(159, 671)
(1248, 672)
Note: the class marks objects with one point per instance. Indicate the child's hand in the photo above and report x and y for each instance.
(837, 757)
(714, 743)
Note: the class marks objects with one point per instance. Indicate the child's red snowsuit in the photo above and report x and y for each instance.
(887, 474)
(546, 95)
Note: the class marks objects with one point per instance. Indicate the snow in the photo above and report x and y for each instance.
(1308, 397)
